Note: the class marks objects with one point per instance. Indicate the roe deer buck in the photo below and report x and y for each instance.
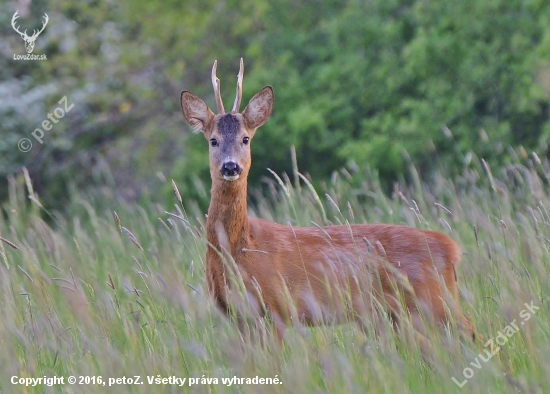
(312, 275)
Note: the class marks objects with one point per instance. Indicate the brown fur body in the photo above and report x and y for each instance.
(313, 266)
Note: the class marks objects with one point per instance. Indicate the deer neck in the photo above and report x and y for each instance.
(227, 215)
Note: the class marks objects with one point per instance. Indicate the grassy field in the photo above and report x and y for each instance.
(94, 294)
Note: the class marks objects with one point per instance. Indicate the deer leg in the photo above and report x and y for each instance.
(442, 307)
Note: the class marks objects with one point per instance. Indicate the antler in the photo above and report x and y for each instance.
(237, 104)
(46, 19)
(15, 16)
(216, 84)
(35, 33)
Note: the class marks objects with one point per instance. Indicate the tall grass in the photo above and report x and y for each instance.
(98, 293)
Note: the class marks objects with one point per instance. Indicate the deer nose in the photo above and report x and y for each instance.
(231, 169)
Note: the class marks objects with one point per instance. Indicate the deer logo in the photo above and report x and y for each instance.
(29, 40)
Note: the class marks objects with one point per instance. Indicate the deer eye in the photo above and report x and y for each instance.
(213, 142)
(245, 140)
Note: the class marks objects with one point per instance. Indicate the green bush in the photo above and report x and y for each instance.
(380, 84)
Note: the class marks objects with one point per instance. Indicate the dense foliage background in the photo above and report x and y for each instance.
(357, 83)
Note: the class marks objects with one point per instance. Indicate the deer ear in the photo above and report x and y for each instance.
(196, 112)
(259, 108)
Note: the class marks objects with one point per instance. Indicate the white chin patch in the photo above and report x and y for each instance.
(231, 178)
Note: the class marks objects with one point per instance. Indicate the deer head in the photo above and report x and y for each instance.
(29, 41)
(229, 134)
